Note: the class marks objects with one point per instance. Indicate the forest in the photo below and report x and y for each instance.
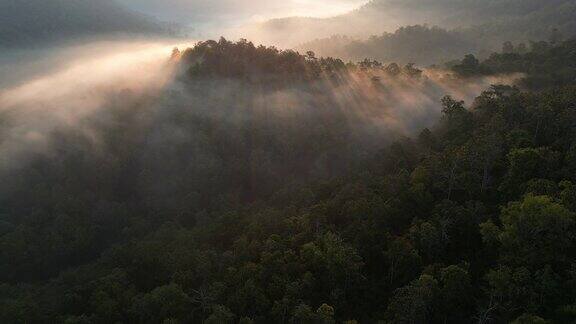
(483, 24)
(409, 44)
(269, 186)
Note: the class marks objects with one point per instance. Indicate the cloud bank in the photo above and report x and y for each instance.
(233, 12)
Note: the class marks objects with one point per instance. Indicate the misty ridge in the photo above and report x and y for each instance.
(267, 102)
(408, 162)
(423, 32)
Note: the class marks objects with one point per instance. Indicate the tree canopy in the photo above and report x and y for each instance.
(249, 216)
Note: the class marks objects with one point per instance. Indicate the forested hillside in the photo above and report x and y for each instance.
(465, 13)
(546, 65)
(34, 22)
(265, 186)
(411, 44)
(425, 32)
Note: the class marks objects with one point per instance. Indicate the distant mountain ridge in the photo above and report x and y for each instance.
(23, 22)
(525, 19)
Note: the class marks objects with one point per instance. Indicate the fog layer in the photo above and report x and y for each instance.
(84, 85)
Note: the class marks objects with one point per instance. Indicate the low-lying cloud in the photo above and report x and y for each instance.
(129, 103)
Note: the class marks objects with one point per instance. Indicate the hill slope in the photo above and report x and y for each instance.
(492, 21)
(228, 199)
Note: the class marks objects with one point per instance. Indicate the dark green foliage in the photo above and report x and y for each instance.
(469, 66)
(471, 221)
(458, 27)
(243, 60)
(546, 65)
(417, 43)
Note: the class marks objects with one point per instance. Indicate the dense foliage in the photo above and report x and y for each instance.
(243, 60)
(238, 216)
(421, 44)
(461, 25)
(545, 64)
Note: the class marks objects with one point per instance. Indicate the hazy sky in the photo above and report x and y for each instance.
(229, 12)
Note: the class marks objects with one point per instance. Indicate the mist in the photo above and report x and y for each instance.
(204, 14)
(122, 126)
(131, 111)
(377, 29)
(83, 89)
(302, 161)
(69, 85)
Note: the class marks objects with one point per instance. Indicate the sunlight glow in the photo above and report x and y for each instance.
(318, 8)
(199, 12)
